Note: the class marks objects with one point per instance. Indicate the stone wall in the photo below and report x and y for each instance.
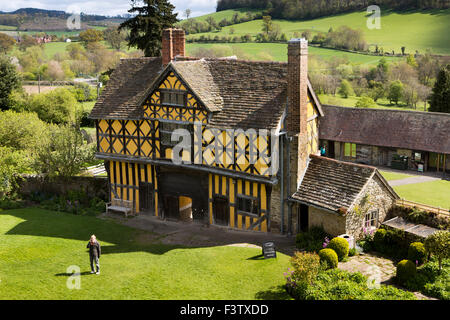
(275, 200)
(332, 223)
(375, 196)
(93, 186)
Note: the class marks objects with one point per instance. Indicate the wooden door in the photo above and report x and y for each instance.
(303, 217)
(171, 207)
(221, 211)
(146, 197)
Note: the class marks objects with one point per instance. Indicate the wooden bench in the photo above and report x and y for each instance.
(120, 205)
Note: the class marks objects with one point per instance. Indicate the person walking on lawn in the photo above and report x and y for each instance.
(94, 253)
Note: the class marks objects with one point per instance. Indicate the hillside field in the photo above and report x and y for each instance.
(416, 30)
(278, 51)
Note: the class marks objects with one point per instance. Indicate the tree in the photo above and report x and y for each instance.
(9, 80)
(147, 26)
(345, 90)
(440, 96)
(211, 23)
(438, 244)
(6, 43)
(395, 91)
(306, 34)
(27, 41)
(187, 13)
(114, 37)
(57, 106)
(63, 152)
(267, 25)
(91, 35)
(411, 61)
(365, 102)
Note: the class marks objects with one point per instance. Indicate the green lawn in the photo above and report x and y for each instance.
(225, 14)
(434, 193)
(278, 51)
(416, 30)
(389, 176)
(351, 102)
(7, 28)
(37, 247)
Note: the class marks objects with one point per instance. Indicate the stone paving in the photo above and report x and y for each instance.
(375, 267)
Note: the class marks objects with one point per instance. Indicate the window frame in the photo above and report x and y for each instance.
(371, 218)
(163, 93)
(242, 197)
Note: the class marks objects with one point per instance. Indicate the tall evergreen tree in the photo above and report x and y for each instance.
(9, 80)
(440, 97)
(147, 26)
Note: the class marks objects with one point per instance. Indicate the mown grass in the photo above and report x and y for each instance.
(434, 193)
(390, 176)
(352, 100)
(416, 30)
(37, 247)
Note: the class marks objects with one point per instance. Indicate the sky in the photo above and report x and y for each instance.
(106, 7)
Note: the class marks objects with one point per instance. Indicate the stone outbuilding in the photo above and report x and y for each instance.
(377, 136)
(342, 197)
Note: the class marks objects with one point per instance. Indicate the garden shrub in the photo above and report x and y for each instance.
(311, 240)
(352, 252)
(306, 267)
(335, 284)
(340, 246)
(329, 257)
(417, 252)
(379, 239)
(431, 281)
(406, 270)
(438, 244)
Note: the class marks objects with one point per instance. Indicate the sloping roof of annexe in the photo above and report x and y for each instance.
(240, 94)
(424, 131)
(334, 185)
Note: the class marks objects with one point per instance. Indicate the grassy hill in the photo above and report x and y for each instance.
(416, 30)
(278, 51)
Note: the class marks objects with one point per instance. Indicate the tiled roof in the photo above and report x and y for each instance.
(333, 184)
(126, 87)
(425, 131)
(240, 94)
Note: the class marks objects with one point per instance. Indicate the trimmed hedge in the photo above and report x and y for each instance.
(329, 257)
(406, 270)
(417, 252)
(340, 246)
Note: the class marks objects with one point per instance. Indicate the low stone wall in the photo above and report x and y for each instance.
(92, 186)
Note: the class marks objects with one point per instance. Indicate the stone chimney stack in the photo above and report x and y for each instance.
(173, 44)
(298, 99)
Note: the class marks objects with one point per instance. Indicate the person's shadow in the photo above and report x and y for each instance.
(66, 274)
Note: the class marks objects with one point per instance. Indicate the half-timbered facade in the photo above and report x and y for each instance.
(233, 116)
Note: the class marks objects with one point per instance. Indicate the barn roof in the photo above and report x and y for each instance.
(238, 93)
(424, 131)
(334, 185)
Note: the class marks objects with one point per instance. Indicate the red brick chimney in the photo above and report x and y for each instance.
(298, 99)
(173, 44)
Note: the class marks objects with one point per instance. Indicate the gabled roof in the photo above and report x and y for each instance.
(424, 131)
(127, 85)
(334, 185)
(238, 93)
